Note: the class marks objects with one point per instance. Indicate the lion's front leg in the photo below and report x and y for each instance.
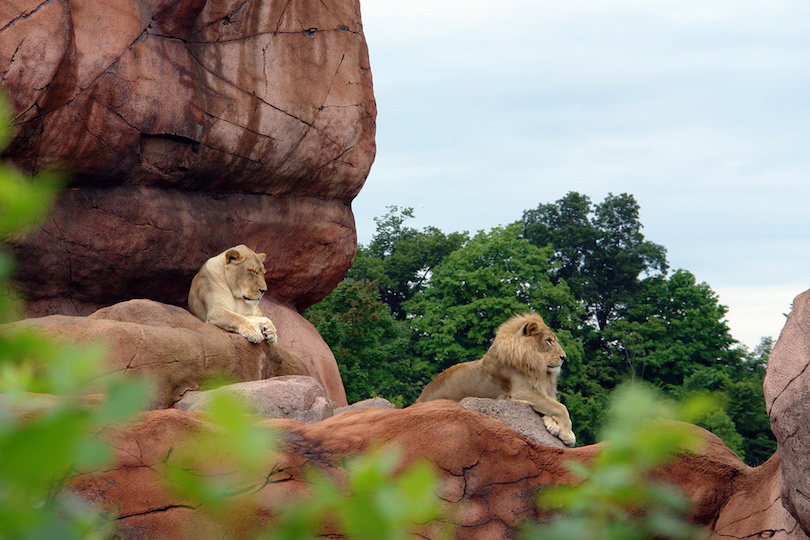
(236, 323)
(555, 415)
(267, 328)
(559, 425)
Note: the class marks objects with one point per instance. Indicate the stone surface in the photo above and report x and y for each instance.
(104, 246)
(787, 395)
(177, 351)
(518, 416)
(293, 396)
(188, 127)
(754, 508)
(375, 403)
(489, 473)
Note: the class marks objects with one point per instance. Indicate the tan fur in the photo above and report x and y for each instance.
(226, 293)
(522, 364)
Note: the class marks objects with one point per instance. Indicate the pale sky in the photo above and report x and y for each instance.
(700, 109)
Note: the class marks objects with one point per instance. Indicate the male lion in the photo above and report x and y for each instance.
(522, 364)
(226, 293)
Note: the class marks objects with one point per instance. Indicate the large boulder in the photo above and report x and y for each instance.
(787, 395)
(295, 397)
(489, 473)
(188, 127)
(177, 351)
(517, 415)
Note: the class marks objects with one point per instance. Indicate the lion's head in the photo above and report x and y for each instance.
(244, 274)
(527, 344)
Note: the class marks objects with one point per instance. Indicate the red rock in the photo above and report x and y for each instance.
(189, 127)
(104, 246)
(787, 391)
(755, 506)
(177, 351)
(489, 472)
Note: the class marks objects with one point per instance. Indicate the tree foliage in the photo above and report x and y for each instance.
(400, 259)
(478, 287)
(416, 302)
(370, 344)
(671, 327)
(600, 249)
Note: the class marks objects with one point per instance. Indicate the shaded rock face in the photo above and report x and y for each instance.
(787, 400)
(177, 351)
(189, 127)
(489, 473)
(755, 507)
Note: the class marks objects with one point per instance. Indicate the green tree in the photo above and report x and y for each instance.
(371, 347)
(400, 259)
(600, 249)
(673, 326)
(479, 286)
(673, 334)
(743, 423)
(619, 497)
(747, 404)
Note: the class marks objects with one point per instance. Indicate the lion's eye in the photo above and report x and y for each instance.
(550, 341)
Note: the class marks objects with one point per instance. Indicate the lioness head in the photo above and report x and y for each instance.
(525, 341)
(244, 274)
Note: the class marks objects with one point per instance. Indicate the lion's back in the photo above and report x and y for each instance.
(459, 381)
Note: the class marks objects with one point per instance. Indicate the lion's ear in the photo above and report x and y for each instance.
(531, 329)
(261, 256)
(233, 257)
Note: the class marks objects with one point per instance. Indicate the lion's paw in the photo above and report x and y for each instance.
(552, 425)
(252, 333)
(268, 331)
(568, 438)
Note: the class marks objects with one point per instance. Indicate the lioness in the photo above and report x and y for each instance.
(226, 293)
(522, 364)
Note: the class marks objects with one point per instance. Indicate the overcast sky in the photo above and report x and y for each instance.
(699, 108)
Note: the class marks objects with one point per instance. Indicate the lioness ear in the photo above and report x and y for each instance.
(233, 256)
(261, 256)
(531, 329)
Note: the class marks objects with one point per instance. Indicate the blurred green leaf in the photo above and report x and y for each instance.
(376, 503)
(47, 430)
(618, 498)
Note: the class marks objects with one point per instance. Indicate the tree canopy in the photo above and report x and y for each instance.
(600, 248)
(418, 301)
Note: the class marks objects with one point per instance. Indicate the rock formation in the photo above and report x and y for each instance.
(518, 416)
(191, 126)
(177, 351)
(489, 473)
(188, 127)
(489, 470)
(787, 396)
(296, 397)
